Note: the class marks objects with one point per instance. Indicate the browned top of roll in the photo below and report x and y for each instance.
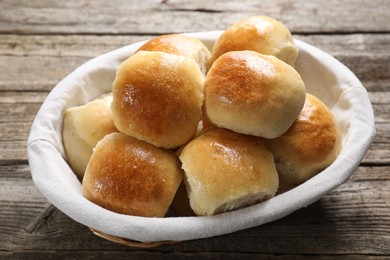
(254, 94)
(227, 170)
(157, 98)
(311, 144)
(314, 132)
(132, 177)
(257, 33)
(180, 45)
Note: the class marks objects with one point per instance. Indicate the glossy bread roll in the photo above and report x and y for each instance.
(257, 33)
(157, 98)
(310, 145)
(253, 94)
(132, 177)
(83, 127)
(180, 45)
(225, 170)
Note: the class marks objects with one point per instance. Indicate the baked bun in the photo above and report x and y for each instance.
(131, 177)
(257, 33)
(253, 94)
(157, 98)
(310, 145)
(180, 45)
(225, 170)
(83, 127)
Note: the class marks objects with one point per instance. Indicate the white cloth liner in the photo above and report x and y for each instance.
(324, 76)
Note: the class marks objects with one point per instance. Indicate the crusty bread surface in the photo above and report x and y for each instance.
(132, 177)
(257, 33)
(310, 145)
(253, 94)
(157, 98)
(225, 170)
(180, 45)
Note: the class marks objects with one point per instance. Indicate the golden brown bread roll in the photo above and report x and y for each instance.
(253, 94)
(131, 177)
(180, 45)
(225, 170)
(157, 98)
(83, 127)
(311, 144)
(257, 33)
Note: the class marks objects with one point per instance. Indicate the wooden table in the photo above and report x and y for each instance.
(42, 41)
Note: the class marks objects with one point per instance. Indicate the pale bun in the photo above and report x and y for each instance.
(131, 177)
(83, 127)
(157, 98)
(180, 45)
(253, 94)
(310, 145)
(257, 33)
(225, 170)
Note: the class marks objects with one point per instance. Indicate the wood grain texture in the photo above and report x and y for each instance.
(159, 17)
(42, 41)
(355, 215)
(38, 63)
(163, 255)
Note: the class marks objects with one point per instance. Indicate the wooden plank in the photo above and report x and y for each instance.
(22, 112)
(14, 131)
(379, 150)
(42, 41)
(93, 45)
(38, 63)
(81, 17)
(59, 45)
(8, 97)
(20, 202)
(110, 254)
(20, 190)
(11, 172)
(353, 219)
(13, 152)
(35, 73)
